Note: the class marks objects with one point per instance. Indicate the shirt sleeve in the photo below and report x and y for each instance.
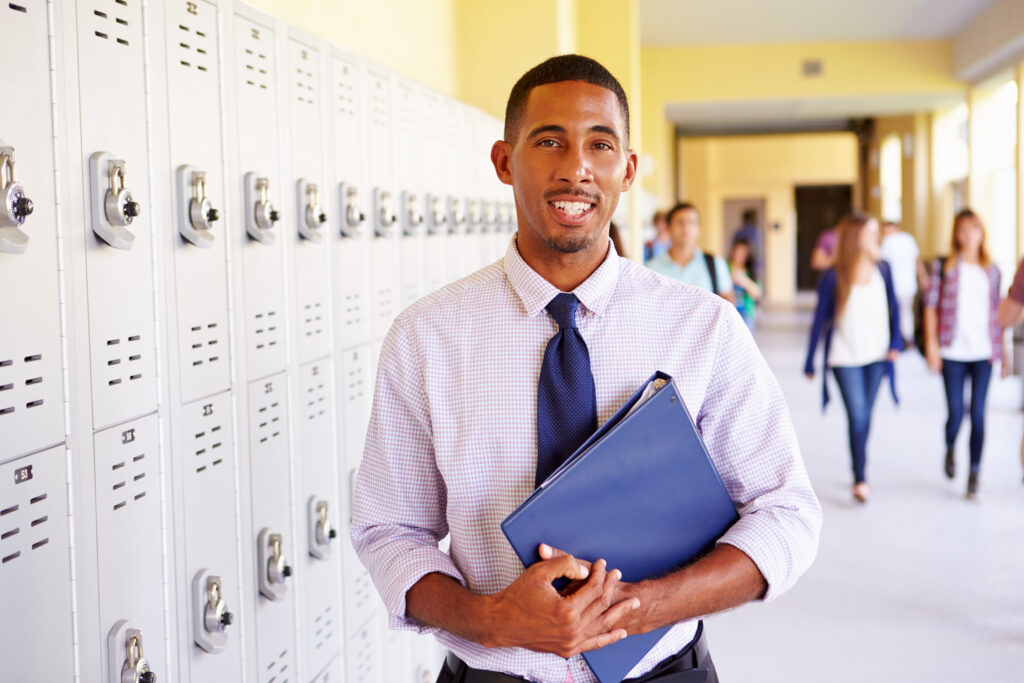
(398, 515)
(749, 433)
(724, 278)
(1016, 291)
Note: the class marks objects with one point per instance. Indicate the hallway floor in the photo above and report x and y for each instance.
(919, 584)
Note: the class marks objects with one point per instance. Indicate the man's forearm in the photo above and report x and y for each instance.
(439, 601)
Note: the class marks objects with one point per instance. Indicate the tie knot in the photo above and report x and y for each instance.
(563, 309)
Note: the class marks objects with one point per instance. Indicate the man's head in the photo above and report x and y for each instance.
(566, 155)
(684, 225)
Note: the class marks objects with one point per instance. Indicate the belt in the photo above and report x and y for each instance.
(689, 658)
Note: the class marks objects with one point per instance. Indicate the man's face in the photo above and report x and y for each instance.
(567, 165)
(684, 228)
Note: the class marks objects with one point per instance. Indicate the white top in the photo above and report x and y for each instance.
(861, 333)
(452, 440)
(900, 250)
(971, 339)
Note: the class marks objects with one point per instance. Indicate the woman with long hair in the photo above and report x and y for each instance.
(858, 316)
(962, 333)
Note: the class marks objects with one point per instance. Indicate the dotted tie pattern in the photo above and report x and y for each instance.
(566, 401)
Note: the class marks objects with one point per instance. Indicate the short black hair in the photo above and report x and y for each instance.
(681, 206)
(556, 70)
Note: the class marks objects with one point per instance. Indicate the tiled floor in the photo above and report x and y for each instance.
(917, 585)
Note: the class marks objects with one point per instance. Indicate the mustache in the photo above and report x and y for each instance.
(574, 192)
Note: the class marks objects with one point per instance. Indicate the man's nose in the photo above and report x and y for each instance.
(574, 167)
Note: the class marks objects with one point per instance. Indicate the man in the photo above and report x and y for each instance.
(473, 377)
(685, 261)
(900, 250)
(661, 242)
(750, 231)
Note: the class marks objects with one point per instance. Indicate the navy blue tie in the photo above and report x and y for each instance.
(566, 401)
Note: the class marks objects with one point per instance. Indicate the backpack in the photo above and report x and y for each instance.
(919, 308)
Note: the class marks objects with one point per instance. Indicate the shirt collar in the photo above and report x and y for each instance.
(535, 292)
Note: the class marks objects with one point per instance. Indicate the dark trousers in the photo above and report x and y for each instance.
(692, 664)
(954, 374)
(859, 387)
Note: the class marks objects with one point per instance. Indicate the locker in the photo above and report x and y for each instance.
(307, 200)
(194, 221)
(351, 286)
(35, 568)
(258, 184)
(205, 454)
(118, 211)
(408, 164)
(130, 537)
(274, 545)
(385, 295)
(31, 395)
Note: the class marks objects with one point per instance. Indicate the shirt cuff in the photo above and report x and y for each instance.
(401, 571)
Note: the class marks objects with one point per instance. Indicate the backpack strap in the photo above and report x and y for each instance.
(709, 261)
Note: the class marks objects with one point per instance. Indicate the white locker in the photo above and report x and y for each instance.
(408, 165)
(350, 197)
(31, 395)
(129, 537)
(193, 223)
(205, 458)
(306, 199)
(432, 159)
(385, 295)
(35, 569)
(260, 225)
(118, 210)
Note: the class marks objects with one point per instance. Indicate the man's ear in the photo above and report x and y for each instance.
(631, 163)
(501, 155)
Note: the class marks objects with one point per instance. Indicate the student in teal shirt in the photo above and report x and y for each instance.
(685, 261)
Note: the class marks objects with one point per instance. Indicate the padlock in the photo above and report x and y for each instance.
(201, 213)
(119, 206)
(136, 669)
(277, 569)
(216, 617)
(16, 206)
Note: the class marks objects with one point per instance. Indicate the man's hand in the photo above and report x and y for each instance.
(530, 613)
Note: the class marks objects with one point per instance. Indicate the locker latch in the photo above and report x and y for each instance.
(211, 617)
(198, 214)
(313, 216)
(384, 211)
(136, 668)
(16, 206)
(457, 211)
(260, 213)
(321, 532)
(113, 206)
(353, 215)
(413, 214)
(274, 570)
(437, 215)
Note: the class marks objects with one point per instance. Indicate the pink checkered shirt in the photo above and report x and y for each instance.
(452, 440)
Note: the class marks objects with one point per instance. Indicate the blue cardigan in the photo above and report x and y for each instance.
(824, 320)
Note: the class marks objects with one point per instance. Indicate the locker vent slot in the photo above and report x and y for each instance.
(14, 376)
(120, 368)
(323, 628)
(266, 328)
(313, 320)
(193, 48)
(207, 444)
(25, 513)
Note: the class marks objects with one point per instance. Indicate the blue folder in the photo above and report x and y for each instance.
(642, 493)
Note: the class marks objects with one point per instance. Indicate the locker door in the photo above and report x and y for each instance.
(319, 549)
(274, 546)
(129, 536)
(261, 225)
(431, 161)
(31, 412)
(384, 278)
(308, 198)
(409, 179)
(199, 238)
(205, 452)
(35, 568)
(352, 300)
(119, 212)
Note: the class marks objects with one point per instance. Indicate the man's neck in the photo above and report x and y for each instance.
(681, 254)
(564, 271)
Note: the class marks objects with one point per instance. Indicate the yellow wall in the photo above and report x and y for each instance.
(734, 73)
(415, 38)
(714, 169)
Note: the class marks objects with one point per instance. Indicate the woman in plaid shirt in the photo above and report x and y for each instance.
(962, 335)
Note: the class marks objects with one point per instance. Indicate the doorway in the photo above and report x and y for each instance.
(818, 208)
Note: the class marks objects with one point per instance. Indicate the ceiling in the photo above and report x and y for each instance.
(709, 22)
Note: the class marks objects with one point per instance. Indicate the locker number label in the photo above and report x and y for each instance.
(23, 474)
(127, 436)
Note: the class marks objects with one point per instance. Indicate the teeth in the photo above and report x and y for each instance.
(571, 208)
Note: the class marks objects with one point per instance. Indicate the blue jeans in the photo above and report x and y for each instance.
(954, 373)
(859, 387)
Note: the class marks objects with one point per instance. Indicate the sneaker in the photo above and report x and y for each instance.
(972, 485)
(950, 465)
(861, 491)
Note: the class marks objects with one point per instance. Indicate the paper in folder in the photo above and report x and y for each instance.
(642, 493)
